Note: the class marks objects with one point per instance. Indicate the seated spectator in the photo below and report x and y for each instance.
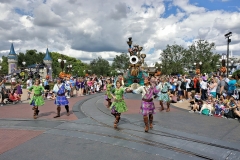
(220, 106)
(233, 108)
(11, 97)
(208, 106)
(51, 95)
(196, 103)
(16, 95)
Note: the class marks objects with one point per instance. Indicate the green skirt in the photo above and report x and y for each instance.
(37, 101)
(119, 106)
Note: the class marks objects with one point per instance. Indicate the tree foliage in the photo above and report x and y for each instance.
(121, 62)
(32, 57)
(177, 59)
(172, 59)
(100, 66)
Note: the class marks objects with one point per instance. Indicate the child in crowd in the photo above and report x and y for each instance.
(208, 105)
(98, 88)
(51, 95)
(16, 95)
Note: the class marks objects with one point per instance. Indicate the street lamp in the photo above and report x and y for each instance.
(69, 68)
(198, 65)
(228, 41)
(62, 62)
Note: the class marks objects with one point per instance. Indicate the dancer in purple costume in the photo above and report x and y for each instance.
(61, 100)
(147, 109)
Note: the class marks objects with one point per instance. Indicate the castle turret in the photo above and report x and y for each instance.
(48, 62)
(12, 60)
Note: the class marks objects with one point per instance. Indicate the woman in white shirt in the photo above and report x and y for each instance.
(213, 88)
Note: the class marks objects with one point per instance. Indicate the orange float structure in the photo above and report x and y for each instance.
(223, 69)
(198, 71)
(63, 75)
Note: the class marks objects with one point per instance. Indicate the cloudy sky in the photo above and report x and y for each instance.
(86, 29)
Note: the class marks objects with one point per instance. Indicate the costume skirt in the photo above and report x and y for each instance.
(147, 108)
(164, 97)
(61, 100)
(118, 107)
(107, 98)
(37, 101)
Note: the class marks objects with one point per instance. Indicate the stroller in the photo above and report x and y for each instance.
(10, 99)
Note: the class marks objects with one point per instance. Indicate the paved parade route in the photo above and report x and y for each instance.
(88, 133)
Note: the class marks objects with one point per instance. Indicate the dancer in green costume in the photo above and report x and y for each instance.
(37, 99)
(108, 96)
(119, 105)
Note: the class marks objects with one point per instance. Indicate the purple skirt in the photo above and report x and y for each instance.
(61, 100)
(113, 111)
(106, 98)
(147, 108)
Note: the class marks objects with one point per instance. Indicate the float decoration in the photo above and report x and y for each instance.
(223, 69)
(63, 75)
(135, 74)
(198, 71)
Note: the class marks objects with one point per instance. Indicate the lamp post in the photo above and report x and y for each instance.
(228, 35)
(232, 62)
(198, 66)
(69, 68)
(62, 62)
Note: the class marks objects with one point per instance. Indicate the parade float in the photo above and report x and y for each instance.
(136, 73)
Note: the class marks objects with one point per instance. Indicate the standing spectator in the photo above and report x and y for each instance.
(238, 85)
(46, 86)
(203, 85)
(221, 83)
(18, 88)
(180, 91)
(213, 87)
(231, 86)
(68, 84)
(2, 91)
(29, 84)
(188, 88)
(13, 82)
(196, 84)
(72, 84)
(77, 86)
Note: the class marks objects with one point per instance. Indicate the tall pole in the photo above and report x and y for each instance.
(228, 41)
(228, 55)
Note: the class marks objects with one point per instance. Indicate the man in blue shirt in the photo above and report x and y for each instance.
(46, 86)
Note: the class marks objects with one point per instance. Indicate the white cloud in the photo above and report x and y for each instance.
(88, 29)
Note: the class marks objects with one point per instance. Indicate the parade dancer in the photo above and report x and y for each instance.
(37, 99)
(164, 86)
(118, 106)
(147, 109)
(61, 100)
(108, 96)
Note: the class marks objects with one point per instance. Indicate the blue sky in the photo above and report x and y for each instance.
(210, 5)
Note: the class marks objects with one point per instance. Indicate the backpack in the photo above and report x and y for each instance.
(183, 85)
(225, 86)
(206, 112)
(191, 84)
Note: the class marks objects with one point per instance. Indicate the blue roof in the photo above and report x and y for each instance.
(12, 54)
(47, 56)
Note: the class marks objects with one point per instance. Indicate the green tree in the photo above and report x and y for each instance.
(100, 66)
(77, 66)
(176, 59)
(202, 51)
(4, 64)
(121, 62)
(172, 59)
